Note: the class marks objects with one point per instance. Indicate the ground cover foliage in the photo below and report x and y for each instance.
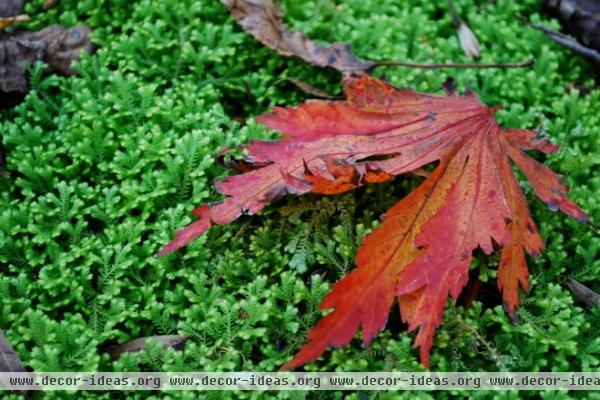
(104, 167)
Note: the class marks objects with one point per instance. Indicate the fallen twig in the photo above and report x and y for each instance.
(566, 41)
(526, 63)
(587, 296)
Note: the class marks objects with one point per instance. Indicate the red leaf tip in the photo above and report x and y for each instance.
(190, 232)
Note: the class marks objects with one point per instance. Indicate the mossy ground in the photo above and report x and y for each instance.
(105, 166)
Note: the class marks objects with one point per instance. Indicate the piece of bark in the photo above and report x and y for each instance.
(584, 294)
(174, 341)
(582, 19)
(11, 8)
(55, 45)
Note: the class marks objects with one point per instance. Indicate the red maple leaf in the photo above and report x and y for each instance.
(422, 251)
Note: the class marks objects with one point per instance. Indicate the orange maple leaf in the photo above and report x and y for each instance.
(422, 251)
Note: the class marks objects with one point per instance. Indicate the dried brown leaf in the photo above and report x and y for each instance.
(174, 341)
(264, 20)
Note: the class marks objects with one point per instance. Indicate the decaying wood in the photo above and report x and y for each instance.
(11, 8)
(582, 19)
(55, 45)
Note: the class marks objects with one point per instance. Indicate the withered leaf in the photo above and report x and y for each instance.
(174, 341)
(420, 255)
(264, 20)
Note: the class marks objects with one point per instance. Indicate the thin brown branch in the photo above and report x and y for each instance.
(522, 64)
(565, 41)
(587, 296)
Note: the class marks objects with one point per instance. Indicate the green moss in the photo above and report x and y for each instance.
(108, 164)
